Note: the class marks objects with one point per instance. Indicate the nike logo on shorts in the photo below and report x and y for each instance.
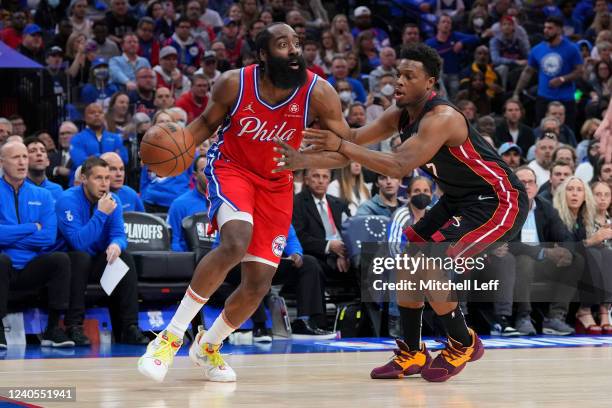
(481, 197)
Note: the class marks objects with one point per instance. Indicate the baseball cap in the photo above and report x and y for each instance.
(227, 21)
(166, 51)
(362, 11)
(507, 18)
(98, 61)
(55, 50)
(506, 147)
(32, 29)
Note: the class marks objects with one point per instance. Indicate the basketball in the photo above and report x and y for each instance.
(167, 149)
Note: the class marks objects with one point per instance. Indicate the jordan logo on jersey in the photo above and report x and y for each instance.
(259, 130)
(249, 108)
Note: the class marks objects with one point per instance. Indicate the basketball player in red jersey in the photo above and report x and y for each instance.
(249, 204)
(483, 201)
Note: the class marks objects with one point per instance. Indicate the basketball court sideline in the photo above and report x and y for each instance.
(538, 371)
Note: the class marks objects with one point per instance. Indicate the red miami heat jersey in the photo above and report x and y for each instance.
(247, 136)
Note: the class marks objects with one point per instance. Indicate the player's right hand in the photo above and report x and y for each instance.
(290, 158)
(107, 204)
(319, 139)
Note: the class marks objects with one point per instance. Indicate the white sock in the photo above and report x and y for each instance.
(189, 307)
(219, 331)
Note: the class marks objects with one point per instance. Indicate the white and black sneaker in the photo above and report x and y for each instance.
(55, 337)
(502, 328)
(305, 330)
(262, 335)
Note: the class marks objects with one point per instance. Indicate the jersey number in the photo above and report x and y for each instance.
(433, 169)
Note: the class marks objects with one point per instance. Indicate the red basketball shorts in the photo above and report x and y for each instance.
(270, 204)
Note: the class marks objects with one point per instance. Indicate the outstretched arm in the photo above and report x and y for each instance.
(223, 96)
(435, 130)
(326, 105)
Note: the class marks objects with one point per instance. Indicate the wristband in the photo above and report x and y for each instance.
(340, 145)
(562, 80)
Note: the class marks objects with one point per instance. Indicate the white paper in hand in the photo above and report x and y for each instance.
(113, 273)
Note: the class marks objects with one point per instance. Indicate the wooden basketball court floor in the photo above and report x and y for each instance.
(532, 377)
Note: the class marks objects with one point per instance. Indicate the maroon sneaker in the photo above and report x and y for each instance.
(404, 363)
(453, 359)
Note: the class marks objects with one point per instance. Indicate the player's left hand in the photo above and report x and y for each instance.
(290, 158)
(112, 253)
(319, 139)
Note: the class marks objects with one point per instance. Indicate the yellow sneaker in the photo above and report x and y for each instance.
(208, 357)
(453, 358)
(403, 363)
(159, 356)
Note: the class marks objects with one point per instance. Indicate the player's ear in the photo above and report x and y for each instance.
(431, 82)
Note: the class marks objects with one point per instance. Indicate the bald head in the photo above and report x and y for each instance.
(116, 169)
(66, 130)
(14, 157)
(14, 139)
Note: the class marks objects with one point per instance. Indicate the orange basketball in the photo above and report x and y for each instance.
(167, 149)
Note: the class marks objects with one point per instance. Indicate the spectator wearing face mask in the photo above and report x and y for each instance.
(382, 98)
(345, 94)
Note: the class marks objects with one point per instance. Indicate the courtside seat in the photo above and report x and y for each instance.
(195, 228)
(162, 274)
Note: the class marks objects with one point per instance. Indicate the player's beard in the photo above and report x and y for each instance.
(282, 75)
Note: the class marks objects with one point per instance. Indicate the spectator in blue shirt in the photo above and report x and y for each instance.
(94, 140)
(130, 201)
(559, 64)
(98, 89)
(159, 192)
(38, 161)
(191, 202)
(27, 226)
(385, 202)
(91, 224)
(124, 67)
(450, 45)
(339, 71)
